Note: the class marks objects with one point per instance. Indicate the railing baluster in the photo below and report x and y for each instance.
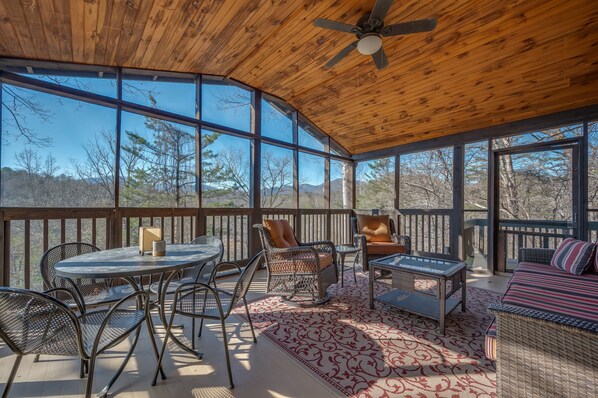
(27, 254)
(46, 233)
(93, 231)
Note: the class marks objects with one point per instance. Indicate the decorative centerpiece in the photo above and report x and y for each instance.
(159, 248)
(147, 236)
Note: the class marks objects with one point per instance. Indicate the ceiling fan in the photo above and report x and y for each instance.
(369, 31)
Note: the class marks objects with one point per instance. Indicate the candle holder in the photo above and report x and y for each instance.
(159, 248)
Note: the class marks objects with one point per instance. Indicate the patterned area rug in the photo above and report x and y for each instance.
(383, 352)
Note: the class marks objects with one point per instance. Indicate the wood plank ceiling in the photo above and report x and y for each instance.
(487, 62)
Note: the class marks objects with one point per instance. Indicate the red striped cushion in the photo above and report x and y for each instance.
(490, 346)
(549, 289)
(573, 256)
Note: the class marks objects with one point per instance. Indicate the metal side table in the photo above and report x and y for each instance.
(342, 251)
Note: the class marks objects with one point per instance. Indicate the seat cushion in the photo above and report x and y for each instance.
(375, 228)
(573, 256)
(490, 344)
(305, 263)
(281, 233)
(546, 288)
(385, 248)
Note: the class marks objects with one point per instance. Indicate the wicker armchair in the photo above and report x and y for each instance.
(364, 227)
(297, 269)
(37, 323)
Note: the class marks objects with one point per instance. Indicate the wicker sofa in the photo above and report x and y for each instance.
(544, 337)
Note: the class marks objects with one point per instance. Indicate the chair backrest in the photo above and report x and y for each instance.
(276, 234)
(245, 279)
(207, 268)
(58, 253)
(32, 322)
(385, 222)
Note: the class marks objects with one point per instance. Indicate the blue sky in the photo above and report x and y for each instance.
(72, 124)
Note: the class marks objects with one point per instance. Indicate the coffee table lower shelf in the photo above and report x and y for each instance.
(417, 303)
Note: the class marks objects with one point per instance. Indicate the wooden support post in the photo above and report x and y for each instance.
(255, 175)
(457, 219)
(493, 211)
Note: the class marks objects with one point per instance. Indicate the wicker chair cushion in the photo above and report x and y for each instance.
(545, 288)
(375, 228)
(385, 248)
(573, 256)
(281, 233)
(306, 263)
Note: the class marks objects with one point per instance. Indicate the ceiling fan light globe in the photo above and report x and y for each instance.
(369, 44)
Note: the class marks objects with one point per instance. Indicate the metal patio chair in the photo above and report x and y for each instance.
(37, 323)
(202, 273)
(199, 300)
(95, 292)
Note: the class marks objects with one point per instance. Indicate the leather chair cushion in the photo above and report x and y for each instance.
(305, 263)
(281, 233)
(375, 228)
(385, 248)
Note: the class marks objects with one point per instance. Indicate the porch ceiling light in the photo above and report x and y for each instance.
(369, 44)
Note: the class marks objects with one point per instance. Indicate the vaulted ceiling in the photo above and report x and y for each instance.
(486, 63)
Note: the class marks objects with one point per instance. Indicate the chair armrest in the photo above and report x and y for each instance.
(75, 295)
(405, 241)
(212, 279)
(541, 256)
(188, 289)
(322, 246)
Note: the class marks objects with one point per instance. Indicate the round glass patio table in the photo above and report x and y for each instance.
(126, 263)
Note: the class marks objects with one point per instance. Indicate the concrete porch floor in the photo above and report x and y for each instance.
(259, 370)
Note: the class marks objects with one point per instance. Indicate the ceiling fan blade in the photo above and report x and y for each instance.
(423, 25)
(344, 52)
(380, 10)
(328, 24)
(380, 59)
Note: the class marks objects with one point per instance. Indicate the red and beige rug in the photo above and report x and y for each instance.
(383, 352)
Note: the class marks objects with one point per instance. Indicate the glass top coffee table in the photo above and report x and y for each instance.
(436, 303)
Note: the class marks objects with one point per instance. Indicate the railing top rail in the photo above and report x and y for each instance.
(157, 211)
(538, 234)
(47, 213)
(226, 211)
(527, 223)
(433, 212)
(536, 223)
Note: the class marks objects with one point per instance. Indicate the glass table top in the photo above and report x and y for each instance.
(346, 249)
(422, 264)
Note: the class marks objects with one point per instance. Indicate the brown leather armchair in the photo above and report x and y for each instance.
(376, 236)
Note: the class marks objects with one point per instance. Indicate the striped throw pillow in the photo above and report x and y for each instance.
(573, 256)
